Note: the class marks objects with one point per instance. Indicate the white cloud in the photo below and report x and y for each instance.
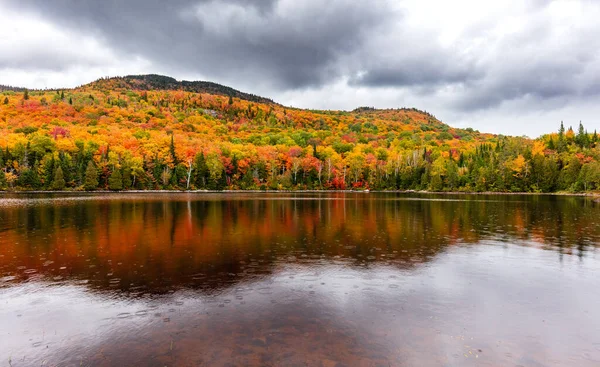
(513, 67)
(35, 53)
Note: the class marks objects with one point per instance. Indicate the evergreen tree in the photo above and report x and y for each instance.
(179, 172)
(561, 138)
(247, 181)
(26, 95)
(582, 138)
(59, 179)
(595, 137)
(201, 172)
(5, 100)
(127, 177)
(3, 182)
(91, 177)
(157, 170)
(70, 100)
(29, 178)
(230, 100)
(69, 171)
(221, 181)
(30, 156)
(62, 94)
(49, 172)
(172, 151)
(115, 181)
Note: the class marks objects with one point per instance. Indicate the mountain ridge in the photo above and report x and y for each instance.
(161, 82)
(149, 82)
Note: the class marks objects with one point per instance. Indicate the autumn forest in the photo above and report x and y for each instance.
(152, 132)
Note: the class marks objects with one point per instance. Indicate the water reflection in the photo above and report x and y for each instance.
(329, 279)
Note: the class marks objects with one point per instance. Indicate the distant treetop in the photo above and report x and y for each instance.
(5, 88)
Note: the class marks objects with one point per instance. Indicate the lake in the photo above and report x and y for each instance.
(299, 279)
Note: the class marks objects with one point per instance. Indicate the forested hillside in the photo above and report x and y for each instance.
(152, 132)
(160, 82)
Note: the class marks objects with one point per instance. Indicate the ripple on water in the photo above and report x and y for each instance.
(329, 283)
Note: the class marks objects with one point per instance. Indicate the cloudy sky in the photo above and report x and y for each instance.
(515, 67)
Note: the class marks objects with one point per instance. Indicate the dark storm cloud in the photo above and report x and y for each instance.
(429, 71)
(536, 82)
(537, 66)
(543, 52)
(284, 44)
(545, 64)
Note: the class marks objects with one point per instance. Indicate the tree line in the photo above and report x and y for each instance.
(565, 161)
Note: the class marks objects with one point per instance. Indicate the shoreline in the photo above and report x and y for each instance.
(582, 194)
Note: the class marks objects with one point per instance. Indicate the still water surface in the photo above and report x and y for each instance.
(299, 280)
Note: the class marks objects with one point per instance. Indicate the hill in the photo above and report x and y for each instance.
(153, 132)
(160, 82)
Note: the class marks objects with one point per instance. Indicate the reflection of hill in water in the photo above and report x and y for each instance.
(156, 244)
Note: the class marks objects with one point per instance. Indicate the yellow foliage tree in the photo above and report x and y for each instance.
(538, 148)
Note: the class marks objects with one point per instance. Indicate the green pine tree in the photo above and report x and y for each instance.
(201, 172)
(59, 179)
(582, 138)
(115, 181)
(127, 177)
(26, 95)
(91, 177)
(172, 151)
(3, 182)
(49, 168)
(221, 181)
(561, 138)
(65, 163)
(29, 178)
(5, 100)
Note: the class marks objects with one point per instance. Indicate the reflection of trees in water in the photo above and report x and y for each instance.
(153, 245)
